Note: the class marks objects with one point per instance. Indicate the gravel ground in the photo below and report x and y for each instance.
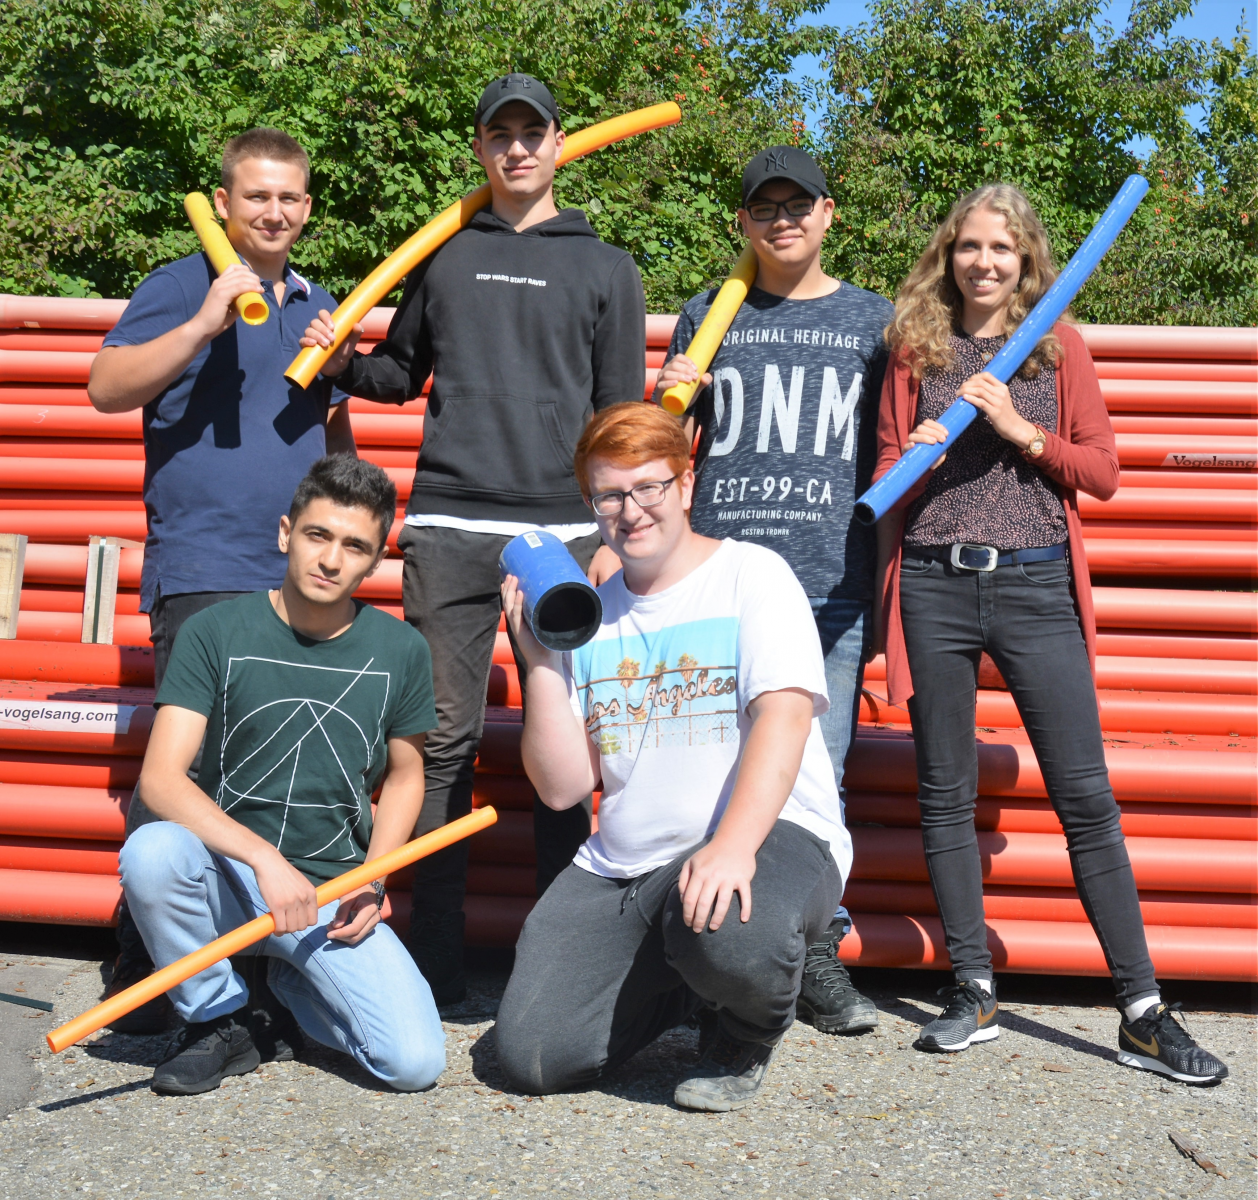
(1043, 1112)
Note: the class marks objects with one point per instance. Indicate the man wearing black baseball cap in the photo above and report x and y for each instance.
(528, 324)
(784, 467)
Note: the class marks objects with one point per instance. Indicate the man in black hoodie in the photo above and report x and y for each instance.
(529, 324)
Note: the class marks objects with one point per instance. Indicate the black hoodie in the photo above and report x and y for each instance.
(526, 334)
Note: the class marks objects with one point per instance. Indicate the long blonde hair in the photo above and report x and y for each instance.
(928, 307)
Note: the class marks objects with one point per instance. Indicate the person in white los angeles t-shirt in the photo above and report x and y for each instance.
(720, 852)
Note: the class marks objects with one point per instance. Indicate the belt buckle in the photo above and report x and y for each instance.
(989, 564)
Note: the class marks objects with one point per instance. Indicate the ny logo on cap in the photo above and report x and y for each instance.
(776, 161)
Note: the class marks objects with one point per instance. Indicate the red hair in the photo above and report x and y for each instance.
(629, 435)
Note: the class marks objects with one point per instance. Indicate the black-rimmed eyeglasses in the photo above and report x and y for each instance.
(645, 495)
(768, 210)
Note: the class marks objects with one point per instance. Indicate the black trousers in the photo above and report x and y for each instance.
(450, 594)
(1024, 617)
(165, 620)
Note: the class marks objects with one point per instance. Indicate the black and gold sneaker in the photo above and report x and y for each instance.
(1158, 1042)
(969, 1016)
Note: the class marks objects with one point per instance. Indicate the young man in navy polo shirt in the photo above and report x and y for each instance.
(226, 437)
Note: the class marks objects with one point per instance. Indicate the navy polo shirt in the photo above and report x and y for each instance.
(226, 444)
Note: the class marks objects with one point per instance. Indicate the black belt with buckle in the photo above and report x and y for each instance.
(967, 556)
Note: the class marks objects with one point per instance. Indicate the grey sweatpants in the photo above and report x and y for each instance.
(604, 966)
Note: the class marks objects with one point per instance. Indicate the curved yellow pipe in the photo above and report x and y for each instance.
(443, 227)
(250, 307)
(707, 339)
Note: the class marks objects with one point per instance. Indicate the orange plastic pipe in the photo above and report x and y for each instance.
(255, 930)
(1184, 451)
(1151, 645)
(72, 856)
(73, 525)
(438, 231)
(52, 662)
(1216, 822)
(884, 761)
(1179, 395)
(45, 366)
(1131, 556)
(1223, 479)
(36, 420)
(70, 600)
(1057, 904)
(1235, 677)
(1048, 947)
(40, 312)
(1169, 531)
(1171, 342)
(55, 898)
(39, 339)
(74, 473)
(97, 814)
(1194, 426)
(129, 630)
(47, 395)
(1142, 712)
(1040, 859)
(68, 770)
(1172, 504)
(1164, 608)
(1206, 371)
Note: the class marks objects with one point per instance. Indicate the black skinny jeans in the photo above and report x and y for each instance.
(1024, 617)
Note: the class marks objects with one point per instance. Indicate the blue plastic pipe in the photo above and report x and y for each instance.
(886, 493)
(560, 606)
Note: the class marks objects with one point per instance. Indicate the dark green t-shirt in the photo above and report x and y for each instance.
(296, 741)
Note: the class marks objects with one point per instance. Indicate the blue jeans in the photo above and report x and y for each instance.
(844, 626)
(369, 1000)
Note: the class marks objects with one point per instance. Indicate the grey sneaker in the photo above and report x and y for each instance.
(728, 1076)
(827, 999)
(1157, 1042)
(968, 1017)
(204, 1054)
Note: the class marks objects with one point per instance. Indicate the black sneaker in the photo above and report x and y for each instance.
(156, 1016)
(728, 1076)
(436, 945)
(1158, 1042)
(968, 1017)
(827, 999)
(204, 1054)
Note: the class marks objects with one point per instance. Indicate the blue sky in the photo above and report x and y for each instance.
(1209, 19)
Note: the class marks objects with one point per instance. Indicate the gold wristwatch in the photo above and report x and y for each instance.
(1035, 447)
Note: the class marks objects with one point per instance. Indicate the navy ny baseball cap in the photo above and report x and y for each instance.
(784, 163)
(512, 88)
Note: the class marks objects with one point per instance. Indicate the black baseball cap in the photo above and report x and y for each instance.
(511, 88)
(784, 162)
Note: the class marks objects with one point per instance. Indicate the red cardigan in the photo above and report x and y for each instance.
(1080, 456)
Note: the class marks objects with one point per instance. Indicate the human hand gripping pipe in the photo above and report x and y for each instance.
(956, 418)
(250, 307)
(260, 927)
(708, 337)
(560, 606)
(445, 225)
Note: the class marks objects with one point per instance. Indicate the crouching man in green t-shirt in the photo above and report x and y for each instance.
(305, 698)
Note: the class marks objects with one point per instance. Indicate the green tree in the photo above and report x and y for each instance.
(113, 109)
(934, 97)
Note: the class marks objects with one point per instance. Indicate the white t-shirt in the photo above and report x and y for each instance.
(663, 690)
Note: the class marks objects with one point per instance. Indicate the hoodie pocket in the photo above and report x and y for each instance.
(499, 444)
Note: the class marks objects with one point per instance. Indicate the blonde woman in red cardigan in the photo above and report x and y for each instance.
(986, 555)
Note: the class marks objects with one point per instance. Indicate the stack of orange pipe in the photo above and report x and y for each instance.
(1176, 671)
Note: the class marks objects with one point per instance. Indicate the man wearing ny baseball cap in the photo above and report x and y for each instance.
(788, 415)
(528, 324)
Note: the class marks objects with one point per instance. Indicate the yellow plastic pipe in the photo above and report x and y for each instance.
(707, 339)
(260, 927)
(443, 227)
(250, 307)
